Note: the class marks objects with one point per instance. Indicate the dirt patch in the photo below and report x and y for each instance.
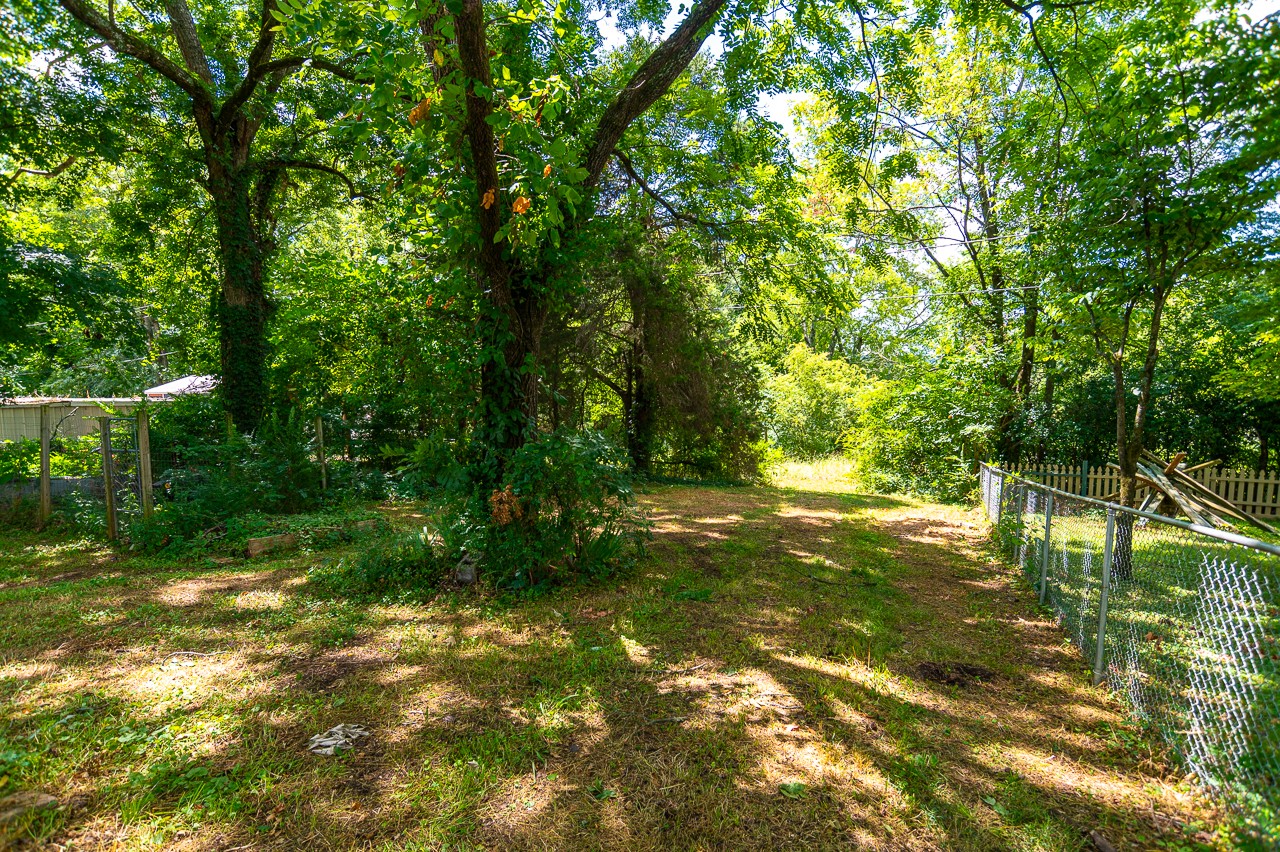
(955, 674)
(183, 593)
(321, 674)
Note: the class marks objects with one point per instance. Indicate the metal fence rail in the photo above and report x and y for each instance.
(1180, 620)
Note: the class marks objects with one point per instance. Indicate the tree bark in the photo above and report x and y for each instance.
(1130, 441)
(643, 420)
(243, 307)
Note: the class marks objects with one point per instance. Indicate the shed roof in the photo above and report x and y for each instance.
(186, 384)
(30, 401)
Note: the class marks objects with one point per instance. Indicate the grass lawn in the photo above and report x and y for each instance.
(797, 667)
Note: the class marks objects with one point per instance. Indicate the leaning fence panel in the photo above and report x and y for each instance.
(1192, 628)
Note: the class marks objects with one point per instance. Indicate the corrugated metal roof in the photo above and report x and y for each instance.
(69, 400)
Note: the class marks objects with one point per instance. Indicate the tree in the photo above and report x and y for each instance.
(517, 287)
(518, 126)
(1179, 150)
(214, 101)
(942, 152)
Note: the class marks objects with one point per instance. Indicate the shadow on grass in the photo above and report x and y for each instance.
(768, 640)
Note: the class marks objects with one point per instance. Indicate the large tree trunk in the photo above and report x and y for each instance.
(512, 340)
(516, 304)
(642, 410)
(243, 306)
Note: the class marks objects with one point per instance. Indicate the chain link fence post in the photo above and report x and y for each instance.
(1108, 548)
(1048, 540)
(1000, 502)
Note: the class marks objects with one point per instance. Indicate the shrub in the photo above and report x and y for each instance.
(912, 439)
(431, 464)
(216, 482)
(393, 566)
(564, 508)
(19, 460)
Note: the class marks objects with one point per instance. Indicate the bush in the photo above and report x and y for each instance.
(912, 439)
(22, 512)
(431, 464)
(218, 484)
(563, 509)
(19, 460)
(315, 530)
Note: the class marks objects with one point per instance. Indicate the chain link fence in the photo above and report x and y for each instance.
(1181, 621)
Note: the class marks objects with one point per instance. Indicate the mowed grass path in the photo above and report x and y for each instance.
(791, 668)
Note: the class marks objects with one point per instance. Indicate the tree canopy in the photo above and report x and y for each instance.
(985, 230)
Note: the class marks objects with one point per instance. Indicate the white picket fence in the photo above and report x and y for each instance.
(1255, 491)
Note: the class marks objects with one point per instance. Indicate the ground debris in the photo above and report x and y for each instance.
(1100, 842)
(955, 674)
(17, 805)
(338, 738)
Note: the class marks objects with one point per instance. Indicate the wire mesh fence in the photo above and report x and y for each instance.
(109, 471)
(1182, 621)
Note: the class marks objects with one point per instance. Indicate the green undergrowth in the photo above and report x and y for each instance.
(315, 530)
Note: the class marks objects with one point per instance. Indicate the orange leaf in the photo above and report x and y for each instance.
(521, 205)
(420, 111)
(547, 171)
(487, 201)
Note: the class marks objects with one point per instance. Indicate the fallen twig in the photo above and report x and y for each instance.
(191, 654)
(1100, 842)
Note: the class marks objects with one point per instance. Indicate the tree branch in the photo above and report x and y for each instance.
(282, 67)
(607, 382)
(53, 172)
(126, 44)
(650, 82)
(317, 167)
(629, 167)
(258, 67)
(184, 31)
